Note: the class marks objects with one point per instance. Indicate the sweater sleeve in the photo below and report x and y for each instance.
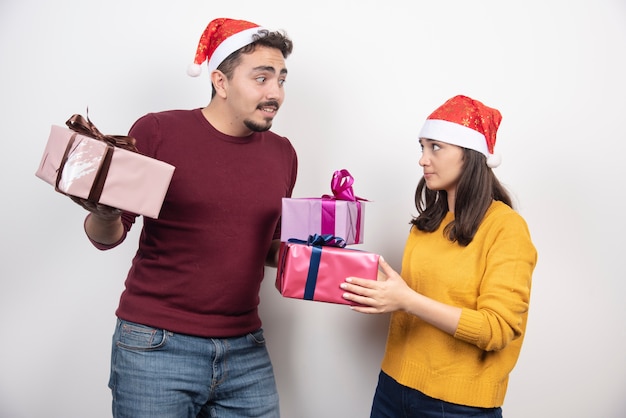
(504, 291)
(128, 219)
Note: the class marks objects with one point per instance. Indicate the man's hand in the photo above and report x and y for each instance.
(104, 224)
(103, 212)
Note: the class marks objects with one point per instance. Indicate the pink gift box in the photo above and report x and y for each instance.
(341, 215)
(302, 217)
(77, 165)
(315, 273)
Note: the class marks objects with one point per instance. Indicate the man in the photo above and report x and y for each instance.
(188, 340)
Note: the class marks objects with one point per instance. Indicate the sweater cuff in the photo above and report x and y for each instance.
(470, 325)
(98, 245)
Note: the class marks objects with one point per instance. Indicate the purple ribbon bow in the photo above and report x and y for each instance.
(341, 186)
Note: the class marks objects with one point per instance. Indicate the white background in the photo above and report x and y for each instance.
(363, 77)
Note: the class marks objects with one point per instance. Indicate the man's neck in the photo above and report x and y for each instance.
(221, 120)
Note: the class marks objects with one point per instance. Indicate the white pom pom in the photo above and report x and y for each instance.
(194, 70)
(494, 160)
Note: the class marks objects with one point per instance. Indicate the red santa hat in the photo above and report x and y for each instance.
(467, 123)
(221, 38)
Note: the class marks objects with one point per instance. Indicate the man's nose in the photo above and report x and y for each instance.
(274, 92)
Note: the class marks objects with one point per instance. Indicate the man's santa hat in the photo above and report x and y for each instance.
(221, 38)
(467, 123)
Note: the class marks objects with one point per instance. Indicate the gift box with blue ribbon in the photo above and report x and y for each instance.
(314, 269)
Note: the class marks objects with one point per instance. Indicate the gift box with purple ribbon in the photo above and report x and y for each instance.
(106, 169)
(341, 215)
(314, 269)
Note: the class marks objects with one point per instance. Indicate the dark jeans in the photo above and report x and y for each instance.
(393, 400)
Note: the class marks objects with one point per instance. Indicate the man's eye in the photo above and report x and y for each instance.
(282, 81)
(260, 79)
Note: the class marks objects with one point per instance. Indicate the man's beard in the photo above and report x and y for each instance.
(256, 127)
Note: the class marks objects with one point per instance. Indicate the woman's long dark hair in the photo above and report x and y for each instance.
(477, 188)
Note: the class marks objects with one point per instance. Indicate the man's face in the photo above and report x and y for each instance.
(256, 90)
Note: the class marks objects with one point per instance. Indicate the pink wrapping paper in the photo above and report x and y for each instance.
(134, 182)
(340, 215)
(335, 264)
(302, 217)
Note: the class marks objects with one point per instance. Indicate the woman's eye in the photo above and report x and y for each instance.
(436, 147)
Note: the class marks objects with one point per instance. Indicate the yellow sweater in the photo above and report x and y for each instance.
(491, 280)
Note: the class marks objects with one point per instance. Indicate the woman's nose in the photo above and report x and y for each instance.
(423, 160)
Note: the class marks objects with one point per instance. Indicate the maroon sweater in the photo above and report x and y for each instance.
(199, 266)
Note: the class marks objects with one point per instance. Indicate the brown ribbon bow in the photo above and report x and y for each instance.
(83, 126)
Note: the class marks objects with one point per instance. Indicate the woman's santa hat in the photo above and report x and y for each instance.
(467, 123)
(221, 38)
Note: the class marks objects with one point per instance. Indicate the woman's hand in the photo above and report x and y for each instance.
(389, 293)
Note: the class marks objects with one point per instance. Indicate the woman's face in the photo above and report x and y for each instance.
(442, 164)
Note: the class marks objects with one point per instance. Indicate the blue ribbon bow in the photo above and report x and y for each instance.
(321, 240)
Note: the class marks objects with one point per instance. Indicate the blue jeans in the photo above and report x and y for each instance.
(393, 400)
(159, 374)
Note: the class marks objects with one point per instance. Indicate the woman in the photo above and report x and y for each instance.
(460, 306)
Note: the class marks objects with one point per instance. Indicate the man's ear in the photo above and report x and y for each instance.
(220, 83)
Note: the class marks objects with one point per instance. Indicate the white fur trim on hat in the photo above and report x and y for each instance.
(230, 45)
(455, 134)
